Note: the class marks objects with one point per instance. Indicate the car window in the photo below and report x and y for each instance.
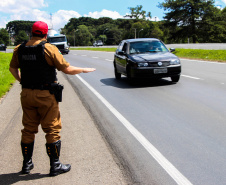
(147, 46)
(120, 46)
(124, 47)
(56, 39)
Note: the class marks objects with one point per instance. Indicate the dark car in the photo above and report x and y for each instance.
(3, 47)
(146, 58)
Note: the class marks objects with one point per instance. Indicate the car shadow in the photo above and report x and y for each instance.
(124, 83)
(12, 178)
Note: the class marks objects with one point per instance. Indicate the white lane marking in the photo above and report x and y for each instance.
(204, 61)
(74, 54)
(108, 60)
(83, 55)
(167, 166)
(95, 57)
(191, 77)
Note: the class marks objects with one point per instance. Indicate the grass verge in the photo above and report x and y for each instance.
(7, 78)
(201, 54)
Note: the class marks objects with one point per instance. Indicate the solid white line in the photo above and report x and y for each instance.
(191, 77)
(108, 60)
(204, 61)
(169, 168)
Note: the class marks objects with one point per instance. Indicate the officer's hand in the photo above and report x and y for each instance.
(87, 70)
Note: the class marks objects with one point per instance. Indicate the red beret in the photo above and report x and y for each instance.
(40, 27)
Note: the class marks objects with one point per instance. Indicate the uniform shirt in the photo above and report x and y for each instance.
(52, 55)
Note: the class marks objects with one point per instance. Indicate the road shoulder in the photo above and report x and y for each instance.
(82, 145)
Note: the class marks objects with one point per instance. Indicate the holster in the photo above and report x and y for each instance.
(56, 89)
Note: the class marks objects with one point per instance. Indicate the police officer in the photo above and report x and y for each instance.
(38, 61)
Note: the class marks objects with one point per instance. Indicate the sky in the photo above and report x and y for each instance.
(57, 13)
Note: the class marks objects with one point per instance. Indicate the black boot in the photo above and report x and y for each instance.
(27, 151)
(53, 151)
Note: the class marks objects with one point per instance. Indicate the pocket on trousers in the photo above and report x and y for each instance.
(43, 94)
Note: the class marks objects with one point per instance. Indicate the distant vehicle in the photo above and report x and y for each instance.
(98, 43)
(145, 58)
(59, 40)
(3, 47)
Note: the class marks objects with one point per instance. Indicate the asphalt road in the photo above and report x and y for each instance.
(163, 133)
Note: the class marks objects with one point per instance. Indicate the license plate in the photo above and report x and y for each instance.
(159, 71)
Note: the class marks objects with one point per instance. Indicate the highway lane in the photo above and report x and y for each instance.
(184, 121)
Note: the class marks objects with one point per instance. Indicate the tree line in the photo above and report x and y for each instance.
(194, 21)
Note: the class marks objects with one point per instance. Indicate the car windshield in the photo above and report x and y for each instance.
(147, 46)
(57, 39)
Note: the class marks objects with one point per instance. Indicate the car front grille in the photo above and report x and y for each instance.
(61, 46)
(156, 64)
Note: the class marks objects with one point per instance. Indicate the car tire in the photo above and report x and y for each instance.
(129, 78)
(175, 78)
(117, 75)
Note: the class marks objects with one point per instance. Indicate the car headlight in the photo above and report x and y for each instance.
(174, 61)
(142, 64)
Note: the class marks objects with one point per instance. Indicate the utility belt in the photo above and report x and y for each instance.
(54, 88)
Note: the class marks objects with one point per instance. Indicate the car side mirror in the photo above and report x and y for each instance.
(121, 52)
(172, 50)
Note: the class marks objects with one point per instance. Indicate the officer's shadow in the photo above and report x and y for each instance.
(11, 178)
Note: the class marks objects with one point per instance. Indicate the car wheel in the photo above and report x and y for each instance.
(130, 79)
(117, 75)
(175, 78)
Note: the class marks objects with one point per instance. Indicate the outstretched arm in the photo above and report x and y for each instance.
(71, 70)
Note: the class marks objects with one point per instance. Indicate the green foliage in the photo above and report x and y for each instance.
(198, 21)
(212, 27)
(138, 13)
(16, 26)
(83, 36)
(117, 30)
(21, 37)
(156, 32)
(7, 78)
(184, 18)
(4, 36)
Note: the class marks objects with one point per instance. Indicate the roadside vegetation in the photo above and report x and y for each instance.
(7, 78)
(202, 54)
(193, 21)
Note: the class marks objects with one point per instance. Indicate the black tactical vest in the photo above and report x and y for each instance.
(34, 68)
